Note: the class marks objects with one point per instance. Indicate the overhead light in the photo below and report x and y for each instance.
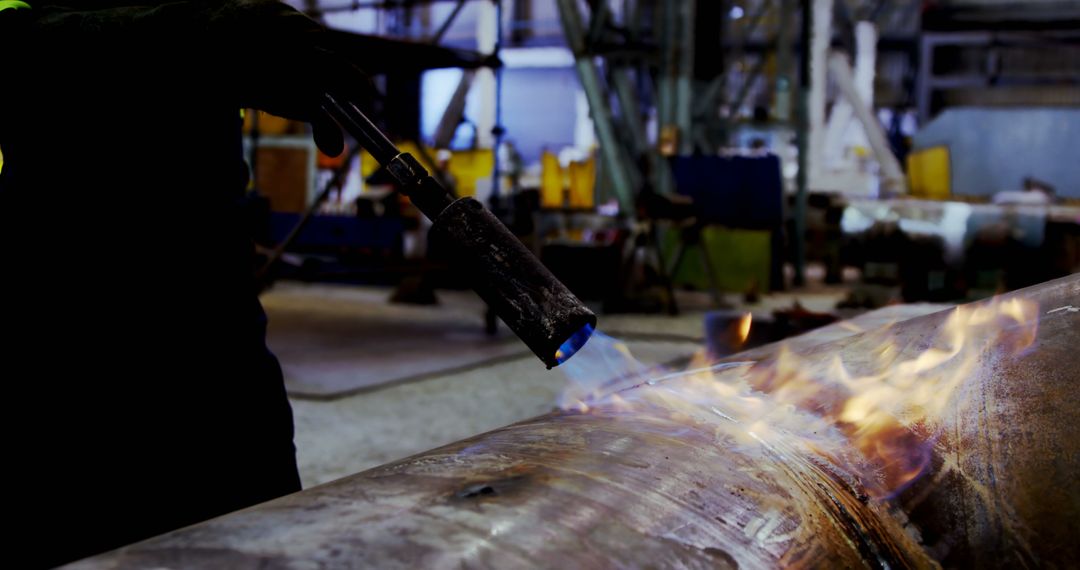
(537, 57)
(736, 12)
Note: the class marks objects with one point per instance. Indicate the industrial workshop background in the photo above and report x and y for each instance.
(832, 132)
(832, 248)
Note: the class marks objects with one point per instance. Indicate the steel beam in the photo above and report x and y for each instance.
(784, 75)
(892, 175)
(716, 89)
(438, 35)
(803, 128)
(618, 168)
(668, 68)
(454, 112)
(684, 83)
(660, 174)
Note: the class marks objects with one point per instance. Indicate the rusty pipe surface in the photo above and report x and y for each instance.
(655, 488)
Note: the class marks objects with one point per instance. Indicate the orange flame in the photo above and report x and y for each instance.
(743, 330)
(873, 406)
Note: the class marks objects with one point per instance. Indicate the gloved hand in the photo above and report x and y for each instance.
(261, 54)
(286, 62)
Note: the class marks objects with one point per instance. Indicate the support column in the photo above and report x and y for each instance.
(892, 176)
(484, 83)
(820, 14)
(684, 83)
(610, 145)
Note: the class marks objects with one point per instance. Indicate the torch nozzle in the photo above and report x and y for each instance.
(574, 343)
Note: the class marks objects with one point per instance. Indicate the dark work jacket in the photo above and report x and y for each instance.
(141, 396)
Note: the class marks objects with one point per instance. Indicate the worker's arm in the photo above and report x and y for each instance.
(256, 53)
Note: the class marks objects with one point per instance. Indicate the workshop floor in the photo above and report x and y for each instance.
(340, 436)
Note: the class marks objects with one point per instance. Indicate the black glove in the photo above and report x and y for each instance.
(261, 54)
(287, 61)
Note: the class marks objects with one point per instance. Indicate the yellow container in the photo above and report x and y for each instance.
(469, 166)
(551, 181)
(928, 173)
(465, 166)
(272, 125)
(583, 184)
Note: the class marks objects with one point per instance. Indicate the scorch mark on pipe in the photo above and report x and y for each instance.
(761, 529)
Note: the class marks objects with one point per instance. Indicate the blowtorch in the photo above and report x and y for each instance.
(540, 310)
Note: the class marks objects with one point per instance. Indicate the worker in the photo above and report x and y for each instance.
(141, 396)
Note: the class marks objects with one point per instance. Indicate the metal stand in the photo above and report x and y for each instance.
(647, 238)
(691, 236)
(262, 275)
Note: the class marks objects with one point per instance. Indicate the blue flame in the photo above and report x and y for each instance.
(573, 344)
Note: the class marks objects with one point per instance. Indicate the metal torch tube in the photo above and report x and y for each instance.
(543, 313)
(359, 126)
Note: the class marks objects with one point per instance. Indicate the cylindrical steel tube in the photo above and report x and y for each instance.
(656, 488)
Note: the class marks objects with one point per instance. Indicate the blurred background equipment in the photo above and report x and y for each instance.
(770, 116)
(684, 157)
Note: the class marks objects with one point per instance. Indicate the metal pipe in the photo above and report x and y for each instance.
(659, 488)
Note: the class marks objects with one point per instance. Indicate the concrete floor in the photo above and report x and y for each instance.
(338, 437)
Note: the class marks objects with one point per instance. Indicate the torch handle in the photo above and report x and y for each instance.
(412, 178)
(356, 123)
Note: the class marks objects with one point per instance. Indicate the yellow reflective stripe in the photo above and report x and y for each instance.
(14, 5)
